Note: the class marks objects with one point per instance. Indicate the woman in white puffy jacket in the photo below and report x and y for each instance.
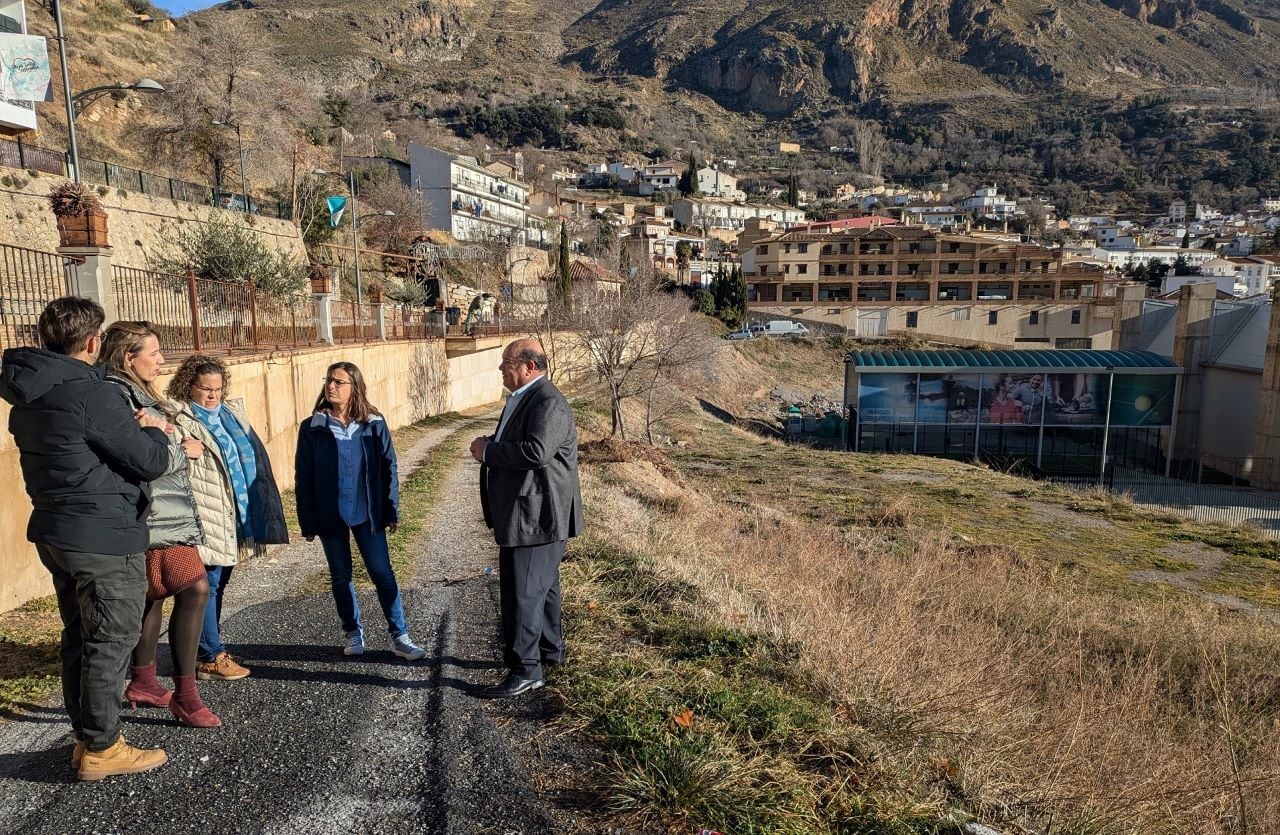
(236, 495)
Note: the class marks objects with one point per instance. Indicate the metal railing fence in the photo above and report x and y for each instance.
(196, 315)
(18, 154)
(29, 280)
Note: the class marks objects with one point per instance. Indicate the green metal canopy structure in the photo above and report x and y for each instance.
(1062, 412)
(1133, 362)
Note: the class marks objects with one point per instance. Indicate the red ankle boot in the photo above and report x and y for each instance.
(145, 689)
(187, 707)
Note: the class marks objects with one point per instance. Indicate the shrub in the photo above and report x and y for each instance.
(223, 249)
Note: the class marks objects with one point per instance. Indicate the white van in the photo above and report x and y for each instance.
(783, 327)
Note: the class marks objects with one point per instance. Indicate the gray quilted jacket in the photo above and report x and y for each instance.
(172, 518)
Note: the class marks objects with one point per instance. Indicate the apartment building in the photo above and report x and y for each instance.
(467, 199)
(724, 220)
(652, 241)
(883, 279)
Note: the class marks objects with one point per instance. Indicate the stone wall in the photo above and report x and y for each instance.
(138, 224)
(407, 381)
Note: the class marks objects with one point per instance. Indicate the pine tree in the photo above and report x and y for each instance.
(564, 275)
(793, 193)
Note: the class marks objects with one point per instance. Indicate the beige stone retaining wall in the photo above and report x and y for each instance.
(138, 224)
(407, 381)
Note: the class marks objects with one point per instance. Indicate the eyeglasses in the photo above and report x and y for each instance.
(209, 390)
(329, 380)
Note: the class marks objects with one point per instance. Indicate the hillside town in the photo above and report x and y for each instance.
(632, 417)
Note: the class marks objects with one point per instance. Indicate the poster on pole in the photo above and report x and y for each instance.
(24, 68)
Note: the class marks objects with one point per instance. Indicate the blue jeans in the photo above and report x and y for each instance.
(377, 561)
(210, 635)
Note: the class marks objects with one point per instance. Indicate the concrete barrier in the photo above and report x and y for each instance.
(407, 381)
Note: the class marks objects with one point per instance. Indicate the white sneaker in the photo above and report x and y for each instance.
(355, 643)
(407, 649)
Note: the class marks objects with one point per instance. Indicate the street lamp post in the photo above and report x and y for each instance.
(244, 188)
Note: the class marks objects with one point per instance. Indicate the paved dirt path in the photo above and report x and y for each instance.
(314, 742)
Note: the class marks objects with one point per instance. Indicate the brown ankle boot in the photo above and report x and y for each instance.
(145, 689)
(188, 708)
(120, 758)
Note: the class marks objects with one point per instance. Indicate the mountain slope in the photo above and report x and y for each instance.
(777, 57)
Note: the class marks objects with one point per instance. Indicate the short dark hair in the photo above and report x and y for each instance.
(67, 323)
(533, 355)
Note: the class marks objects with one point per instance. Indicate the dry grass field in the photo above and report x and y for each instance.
(901, 644)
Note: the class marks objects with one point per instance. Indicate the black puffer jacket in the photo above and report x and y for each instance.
(84, 458)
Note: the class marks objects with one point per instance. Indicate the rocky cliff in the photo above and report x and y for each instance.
(777, 57)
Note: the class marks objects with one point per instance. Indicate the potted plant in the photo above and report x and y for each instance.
(81, 221)
(320, 277)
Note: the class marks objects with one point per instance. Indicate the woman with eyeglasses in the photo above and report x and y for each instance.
(347, 487)
(132, 359)
(236, 495)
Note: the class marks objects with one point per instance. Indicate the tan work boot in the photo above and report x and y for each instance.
(77, 754)
(120, 758)
(222, 668)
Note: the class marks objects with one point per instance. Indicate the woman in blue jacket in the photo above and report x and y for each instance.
(347, 487)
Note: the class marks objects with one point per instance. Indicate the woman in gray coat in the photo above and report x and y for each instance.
(132, 359)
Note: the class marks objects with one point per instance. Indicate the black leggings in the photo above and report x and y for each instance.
(185, 624)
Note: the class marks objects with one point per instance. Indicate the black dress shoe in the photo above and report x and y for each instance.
(512, 685)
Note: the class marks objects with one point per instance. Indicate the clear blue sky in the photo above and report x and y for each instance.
(181, 7)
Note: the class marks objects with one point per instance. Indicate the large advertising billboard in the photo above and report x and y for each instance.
(1017, 398)
(949, 398)
(1143, 400)
(887, 398)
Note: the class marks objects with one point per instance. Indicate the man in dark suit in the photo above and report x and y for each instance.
(531, 499)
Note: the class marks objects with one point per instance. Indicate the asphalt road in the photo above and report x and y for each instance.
(312, 741)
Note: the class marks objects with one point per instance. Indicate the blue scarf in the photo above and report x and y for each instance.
(242, 463)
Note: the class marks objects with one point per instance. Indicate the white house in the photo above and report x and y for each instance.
(1129, 258)
(934, 217)
(990, 203)
(658, 177)
(625, 173)
(467, 200)
(716, 183)
(724, 220)
(1255, 274)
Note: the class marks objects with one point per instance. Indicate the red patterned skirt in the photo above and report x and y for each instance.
(172, 569)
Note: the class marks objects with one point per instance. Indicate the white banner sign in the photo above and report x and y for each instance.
(24, 68)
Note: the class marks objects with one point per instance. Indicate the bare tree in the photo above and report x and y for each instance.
(871, 145)
(634, 340)
(385, 193)
(682, 343)
(226, 73)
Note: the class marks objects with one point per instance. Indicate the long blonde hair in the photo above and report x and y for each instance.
(123, 340)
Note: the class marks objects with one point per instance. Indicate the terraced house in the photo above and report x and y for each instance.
(966, 289)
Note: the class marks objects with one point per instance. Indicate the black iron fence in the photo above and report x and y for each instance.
(18, 154)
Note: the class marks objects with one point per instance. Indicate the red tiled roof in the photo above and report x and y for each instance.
(847, 223)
